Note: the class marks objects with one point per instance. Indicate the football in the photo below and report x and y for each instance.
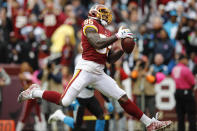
(128, 45)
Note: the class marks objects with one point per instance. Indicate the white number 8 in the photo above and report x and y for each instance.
(165, 93)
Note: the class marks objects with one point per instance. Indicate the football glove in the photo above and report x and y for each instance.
(123, 33)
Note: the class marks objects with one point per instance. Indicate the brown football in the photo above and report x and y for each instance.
(128, 45)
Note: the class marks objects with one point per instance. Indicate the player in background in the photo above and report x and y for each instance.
(86, 99)
(96, 41)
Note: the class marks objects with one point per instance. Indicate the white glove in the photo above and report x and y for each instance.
(123, 33)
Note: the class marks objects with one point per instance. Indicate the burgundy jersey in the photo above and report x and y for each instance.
(50, 23)
(89, 52)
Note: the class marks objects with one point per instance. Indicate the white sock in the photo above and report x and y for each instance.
(61, 115)
(37, 93)
(146, 120)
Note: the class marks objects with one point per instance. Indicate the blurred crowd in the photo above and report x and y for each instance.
(32, 30)
(47, 34)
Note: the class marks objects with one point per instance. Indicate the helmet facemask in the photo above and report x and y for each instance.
(105, 16)
(102, 13)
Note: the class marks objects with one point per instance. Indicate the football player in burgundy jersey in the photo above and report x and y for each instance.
(96, 42)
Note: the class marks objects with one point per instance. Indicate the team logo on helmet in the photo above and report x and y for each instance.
(100, 12)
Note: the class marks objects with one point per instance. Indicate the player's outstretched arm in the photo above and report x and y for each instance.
(96, 41)
(113, 56)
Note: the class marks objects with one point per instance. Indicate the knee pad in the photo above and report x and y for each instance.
(69, 96)
(66, 102)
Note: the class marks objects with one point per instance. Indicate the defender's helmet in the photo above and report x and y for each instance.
(100, 12)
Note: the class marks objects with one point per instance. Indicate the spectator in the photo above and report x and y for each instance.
(181, 35)
(4, 81)
(156, 27)
(67, 16)
(158, 65)
(185, 101)
(193, 39)
(192, 5)
(30, 50)
(143, 41)
(50, 18)
(143, 87)
(3, 51)
(67, 53)
(5, 29)
(32, 7)
(186, 27)
(162, 13)
(80, 11)
(15, 50)
(5, 25)
(20, 19)
(164, 47)
(180, 9)
(134, 22)
(116, 12)
(153, 37)
(192, 62)
(25, 77)
(171, 27)
(35, 27)
(63, 34)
